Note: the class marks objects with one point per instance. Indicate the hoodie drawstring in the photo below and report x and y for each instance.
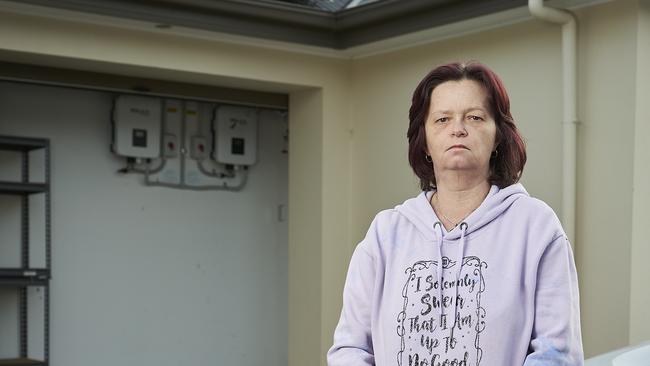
(459, 261)
(440, 269)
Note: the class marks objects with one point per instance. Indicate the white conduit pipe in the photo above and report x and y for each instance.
(570, 115)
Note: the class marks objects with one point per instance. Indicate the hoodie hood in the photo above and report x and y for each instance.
(418, 211)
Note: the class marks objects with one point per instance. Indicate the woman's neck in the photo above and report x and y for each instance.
(456, 198)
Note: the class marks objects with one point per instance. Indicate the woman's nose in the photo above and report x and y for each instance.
(458, 127)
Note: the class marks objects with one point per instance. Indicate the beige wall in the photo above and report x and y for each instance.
(304, 235)
(348, 122)
(382, 92)
(640, 270)
(605, 155)
(528, 58)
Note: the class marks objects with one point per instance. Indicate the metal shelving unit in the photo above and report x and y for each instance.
(26, 276)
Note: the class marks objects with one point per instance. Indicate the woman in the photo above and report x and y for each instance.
(473, 271)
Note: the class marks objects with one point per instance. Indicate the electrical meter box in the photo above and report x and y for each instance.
(137, 122)
(235, 135)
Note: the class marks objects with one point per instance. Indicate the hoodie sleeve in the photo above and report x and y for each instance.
(556, 339)
(352, 337)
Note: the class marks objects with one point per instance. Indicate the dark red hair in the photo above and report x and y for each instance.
(508, 164)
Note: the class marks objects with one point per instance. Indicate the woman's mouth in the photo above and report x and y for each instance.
(458, 147)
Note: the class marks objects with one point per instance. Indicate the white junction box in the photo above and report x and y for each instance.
(137, 124)
(235, 135)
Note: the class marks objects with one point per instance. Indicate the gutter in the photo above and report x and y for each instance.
(570, 115)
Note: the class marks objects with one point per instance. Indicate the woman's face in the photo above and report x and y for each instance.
(460, 131)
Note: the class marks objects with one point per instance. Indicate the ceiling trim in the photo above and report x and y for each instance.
(359, 32)
(279, 21)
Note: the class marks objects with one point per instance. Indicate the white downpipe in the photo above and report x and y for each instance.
(570, 114)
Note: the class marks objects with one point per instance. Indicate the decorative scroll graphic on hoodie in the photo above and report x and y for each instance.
(442, 318)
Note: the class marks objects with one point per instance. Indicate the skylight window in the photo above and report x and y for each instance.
(329, 5)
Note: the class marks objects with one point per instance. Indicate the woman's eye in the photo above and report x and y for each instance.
(443, 119)
(475, 118)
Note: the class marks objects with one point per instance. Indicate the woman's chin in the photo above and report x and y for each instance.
(461, 165)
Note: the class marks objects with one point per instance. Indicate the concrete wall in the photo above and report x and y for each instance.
(145, 275)
(318, 119)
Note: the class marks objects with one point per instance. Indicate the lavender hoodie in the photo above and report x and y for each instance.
(498, 290)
